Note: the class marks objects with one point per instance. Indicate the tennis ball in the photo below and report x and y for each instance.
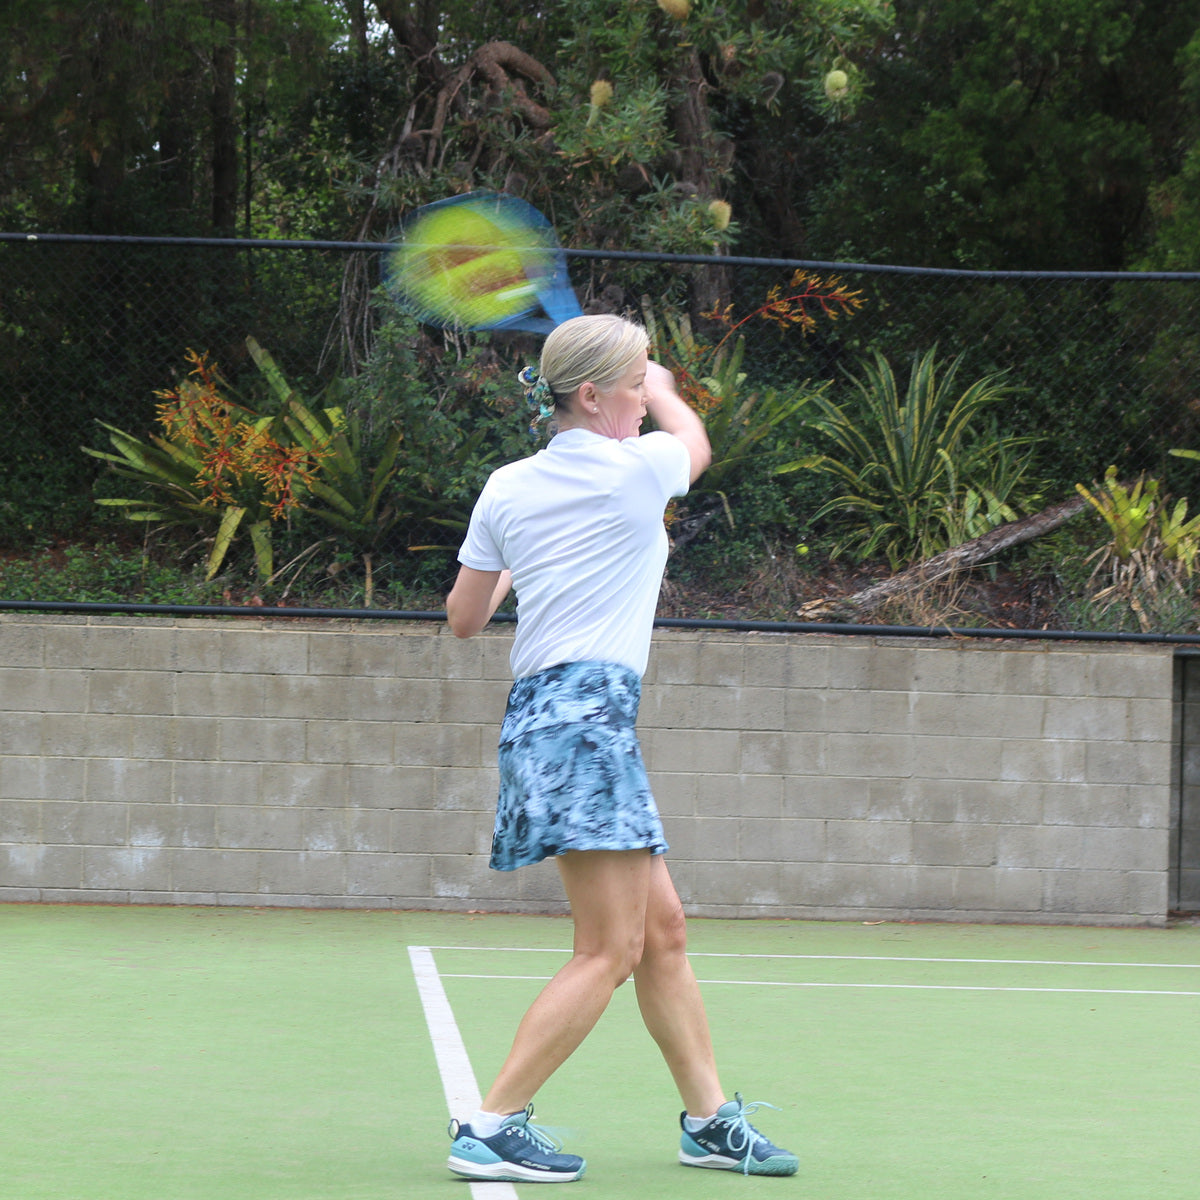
(678, 9)
(720, 213)
(837, 84)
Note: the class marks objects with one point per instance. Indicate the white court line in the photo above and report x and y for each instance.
(921, 987)
(1023, 962)
(458, 1079)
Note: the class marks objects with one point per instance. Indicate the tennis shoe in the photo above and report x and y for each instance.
(519, 1153)
(730, 1143)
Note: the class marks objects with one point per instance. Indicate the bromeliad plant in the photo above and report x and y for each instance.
(1153, 546)
(223, 469)
(915, 470)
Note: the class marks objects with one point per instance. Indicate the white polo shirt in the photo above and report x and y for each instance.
(580, 526)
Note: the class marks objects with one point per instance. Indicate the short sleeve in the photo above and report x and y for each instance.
(670, 461)
(479, 549)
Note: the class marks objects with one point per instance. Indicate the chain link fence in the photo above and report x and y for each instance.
(1106, 366)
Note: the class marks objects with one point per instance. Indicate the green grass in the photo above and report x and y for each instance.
(248, 1054)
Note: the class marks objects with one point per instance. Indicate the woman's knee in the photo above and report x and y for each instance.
(666, 930)
(617, 956)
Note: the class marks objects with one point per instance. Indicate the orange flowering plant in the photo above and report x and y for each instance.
(221, 467)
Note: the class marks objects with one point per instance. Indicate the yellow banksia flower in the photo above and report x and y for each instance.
(601, 93)
(678, 9)
(720, 213)
(837, 84)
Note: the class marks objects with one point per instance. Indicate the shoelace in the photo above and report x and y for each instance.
(743, 1135)
(536, 1134)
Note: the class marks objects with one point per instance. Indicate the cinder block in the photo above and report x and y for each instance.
(437, 745)
(865, 755)
(466, 701)
(1147, 763)
(348, 741)
(1001, 802)
(674, 660)
(723, 664)
(1043, 761)
(323, 785)
(468, 878)
(767, 662)
(126, 867)
(954, 845)
(414, 651)
(207, 870)
(391, 785)
(459, 658)
(21, 821)
(325, 829)
(693, 750)
(261, 649)
(368, 831)
(737, 884)
(391, 875)
(32, 778)
(41, 866)
(206, 694)
(675, 793)
(89, 824)
(194, 738)
(248, 739)
(1085, 893)
(353, 654)
(470, 789)
(22, 645)
(1119, 672)
(742, 796)
(242, 827)
(24, 733)
(301, 873)
(215, 783)
(781, 841)
(117, 691)
(878, 842)
(440, 833)
(128, 780)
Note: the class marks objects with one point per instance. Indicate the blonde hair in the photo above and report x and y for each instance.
(598, 348)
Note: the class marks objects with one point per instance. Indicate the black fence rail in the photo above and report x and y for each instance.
(1106, 365)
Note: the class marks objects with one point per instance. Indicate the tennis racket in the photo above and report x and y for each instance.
(483, 260)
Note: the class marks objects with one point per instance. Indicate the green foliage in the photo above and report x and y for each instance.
(104, 573)
(1152, 550)
(914, 470)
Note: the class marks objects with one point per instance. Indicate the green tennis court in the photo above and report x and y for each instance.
(230, 1054)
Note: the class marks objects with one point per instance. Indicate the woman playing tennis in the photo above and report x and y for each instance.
(577, 530)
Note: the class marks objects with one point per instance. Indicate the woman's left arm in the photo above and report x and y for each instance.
(474, 599)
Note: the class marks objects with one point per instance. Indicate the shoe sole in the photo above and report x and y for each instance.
(503, 1172)
(718, 1162)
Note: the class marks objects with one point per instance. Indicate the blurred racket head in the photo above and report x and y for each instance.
(480, 261)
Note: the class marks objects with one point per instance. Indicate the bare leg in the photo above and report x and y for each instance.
(607, 891)
(669, 998)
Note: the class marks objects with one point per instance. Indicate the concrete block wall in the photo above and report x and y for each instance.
(259, 761)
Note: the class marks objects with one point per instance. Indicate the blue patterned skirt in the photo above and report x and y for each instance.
(571, 771)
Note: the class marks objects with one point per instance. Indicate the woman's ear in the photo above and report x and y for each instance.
(587, 396)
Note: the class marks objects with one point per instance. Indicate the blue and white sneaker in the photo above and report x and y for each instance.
(730, 1143)
(520, 1153)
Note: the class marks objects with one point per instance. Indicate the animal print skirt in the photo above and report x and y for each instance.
(571, 771)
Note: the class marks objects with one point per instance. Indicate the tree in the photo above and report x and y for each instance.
(1014, 134)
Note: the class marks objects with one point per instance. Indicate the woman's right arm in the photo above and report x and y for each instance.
(675, 416)
(474, 598)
